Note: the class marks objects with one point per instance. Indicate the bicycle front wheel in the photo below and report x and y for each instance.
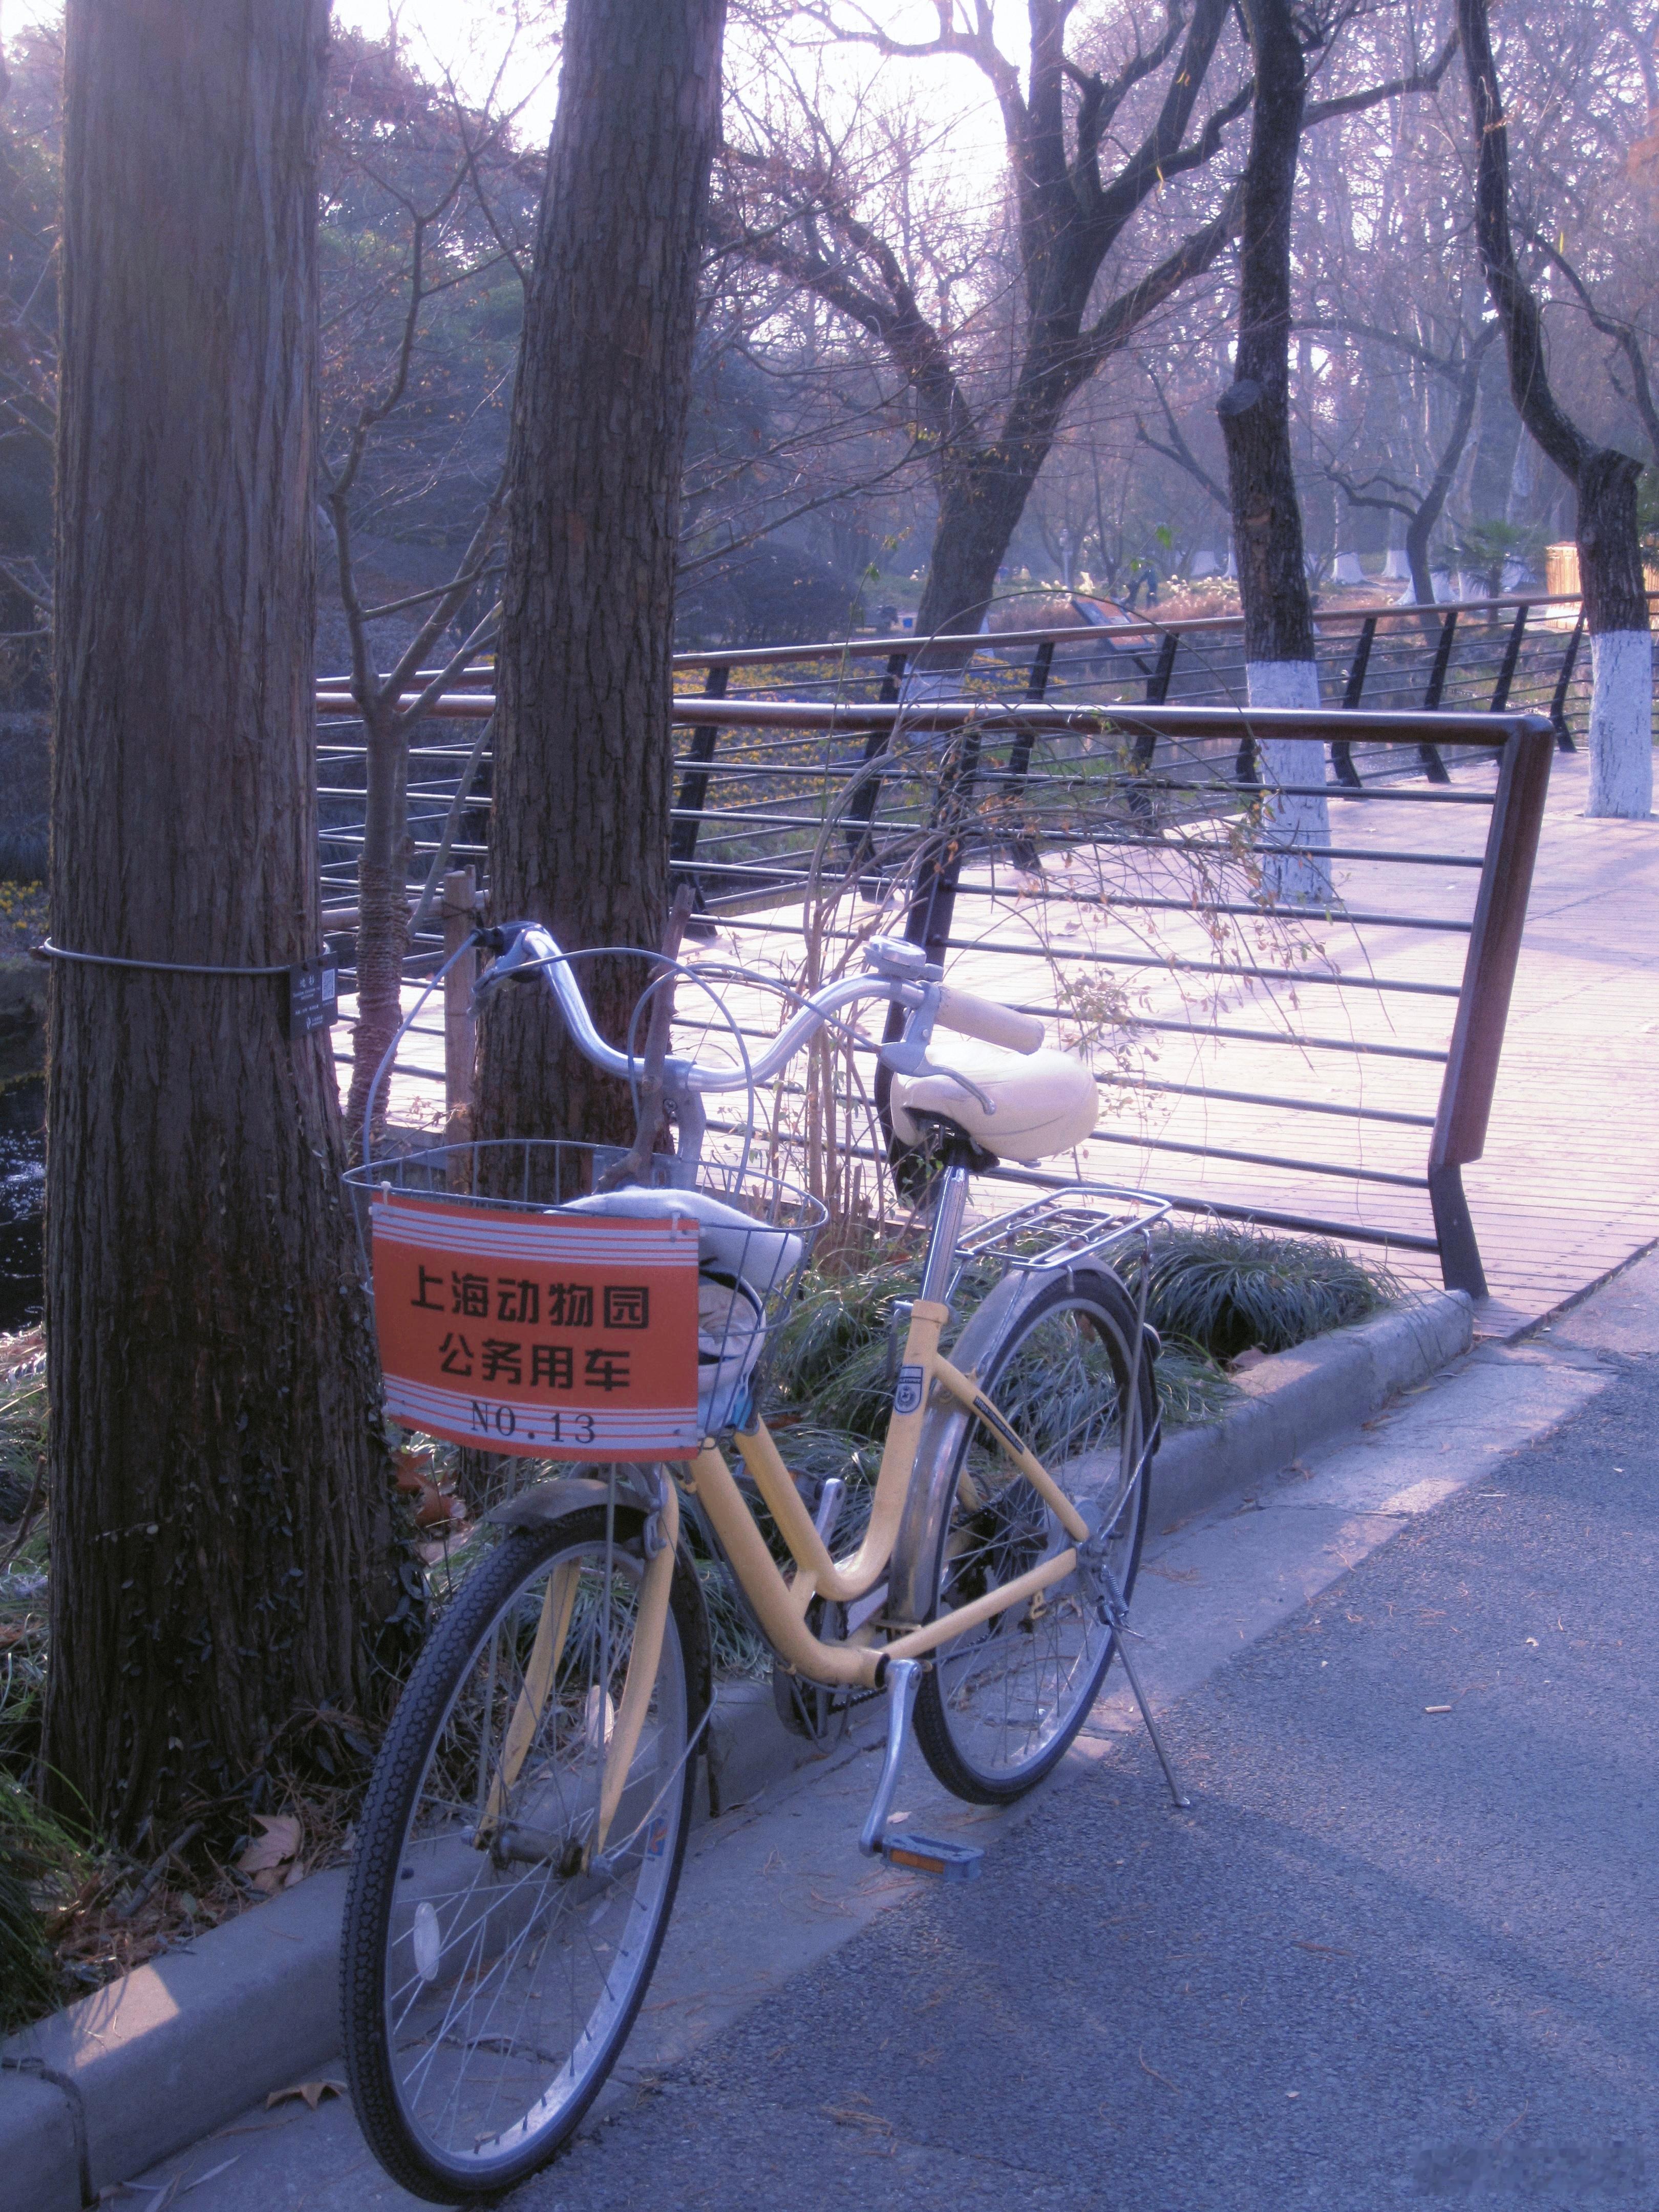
(494, 1962)
(1004, 1700)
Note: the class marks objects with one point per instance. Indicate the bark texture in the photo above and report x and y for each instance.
(583, 751)
(219, 1526)
(1609, 548)
(1255, 409)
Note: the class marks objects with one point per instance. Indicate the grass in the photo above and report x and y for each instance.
(1229, 1288)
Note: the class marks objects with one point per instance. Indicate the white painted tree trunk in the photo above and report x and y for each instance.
(1291, 821)
(1621, 724)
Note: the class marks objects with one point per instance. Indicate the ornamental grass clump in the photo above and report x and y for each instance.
(1230, 1288)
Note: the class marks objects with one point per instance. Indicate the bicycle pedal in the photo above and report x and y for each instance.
(929, 1854)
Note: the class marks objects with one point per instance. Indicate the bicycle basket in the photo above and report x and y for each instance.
(520, 1310)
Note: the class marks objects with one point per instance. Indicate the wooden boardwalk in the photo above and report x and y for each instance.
(1569, 1185)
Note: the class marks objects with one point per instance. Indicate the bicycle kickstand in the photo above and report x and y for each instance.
(1118, 1616)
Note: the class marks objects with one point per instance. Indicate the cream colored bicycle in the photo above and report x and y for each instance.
(520, 1847)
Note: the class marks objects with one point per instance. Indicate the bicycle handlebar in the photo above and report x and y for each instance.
(527, 947)
(987, 1021)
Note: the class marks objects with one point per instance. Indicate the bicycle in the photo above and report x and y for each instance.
(523, 1835)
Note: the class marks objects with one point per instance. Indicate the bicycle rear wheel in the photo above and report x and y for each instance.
(1002, 1701)
(490, 1973)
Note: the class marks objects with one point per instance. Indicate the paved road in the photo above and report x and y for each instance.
(1393, 1954)
(1432, 1927)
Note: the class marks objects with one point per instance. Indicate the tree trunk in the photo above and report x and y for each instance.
(1621, 641)
(579, 838)
(1495, 440)
(1423, 523)
(219, 1515)
(1609, 552)
(979, 512)
(1280, 670)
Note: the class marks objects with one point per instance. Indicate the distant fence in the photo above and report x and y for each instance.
(809, 774)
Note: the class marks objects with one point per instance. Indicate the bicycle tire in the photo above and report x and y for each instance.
(531, 2060)
(1047, 1373)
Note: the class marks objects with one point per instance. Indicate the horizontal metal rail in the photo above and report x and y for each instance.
(915, 787)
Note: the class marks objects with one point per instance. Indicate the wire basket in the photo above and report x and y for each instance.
(521, 1309)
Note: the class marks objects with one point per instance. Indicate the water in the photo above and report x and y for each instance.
(23, 1189)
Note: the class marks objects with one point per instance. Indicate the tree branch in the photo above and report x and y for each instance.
(1180, 451)
(1623, 335)
(1356, 103)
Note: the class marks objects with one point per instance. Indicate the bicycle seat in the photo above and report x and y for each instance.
(1045, 1101)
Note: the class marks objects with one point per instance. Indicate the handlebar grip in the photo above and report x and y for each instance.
(990, 1023)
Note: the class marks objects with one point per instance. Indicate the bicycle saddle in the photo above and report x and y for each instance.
(1045, 1101)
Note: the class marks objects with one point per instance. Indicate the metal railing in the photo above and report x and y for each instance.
(799, 782)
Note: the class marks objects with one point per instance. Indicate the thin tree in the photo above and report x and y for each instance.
(1605, 479)
(220, 1520)
(1422, 506)
(579, 835)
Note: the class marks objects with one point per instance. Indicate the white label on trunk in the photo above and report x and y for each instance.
(1293, 818)
(1621, 725)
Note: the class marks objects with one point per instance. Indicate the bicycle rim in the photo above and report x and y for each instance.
(1005, 1700)
(491, 1973)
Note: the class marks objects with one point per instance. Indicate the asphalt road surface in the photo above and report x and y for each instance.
(1401, 1950)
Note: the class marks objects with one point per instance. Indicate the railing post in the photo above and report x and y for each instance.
(1563, 685)
(1019, 752)
(861, 807)
(459, 913)
(1500, 693)
(1483, 1004)
(1352, 692)
(1158, 692)
(1434, 767)
(1442, 653)
(694, 784)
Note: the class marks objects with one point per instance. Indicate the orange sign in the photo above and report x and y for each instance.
(554, 1335)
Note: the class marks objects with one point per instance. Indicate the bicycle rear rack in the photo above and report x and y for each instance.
(1064, 1226)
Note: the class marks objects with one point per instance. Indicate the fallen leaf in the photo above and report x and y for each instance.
(312, 2092)
(279, 1842)
(846, 2119)
(1156, 2076)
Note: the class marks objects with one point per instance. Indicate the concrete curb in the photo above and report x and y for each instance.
(1298, 1398)
(159, 2059)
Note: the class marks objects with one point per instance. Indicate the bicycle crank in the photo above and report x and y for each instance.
(918, 1854)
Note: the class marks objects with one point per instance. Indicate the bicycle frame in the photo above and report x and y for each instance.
(908, 1516)
(906, 1519)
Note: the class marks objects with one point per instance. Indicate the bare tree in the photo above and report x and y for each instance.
(1422, 509)
(390, 709)
(1609, 550)
(803, 217)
